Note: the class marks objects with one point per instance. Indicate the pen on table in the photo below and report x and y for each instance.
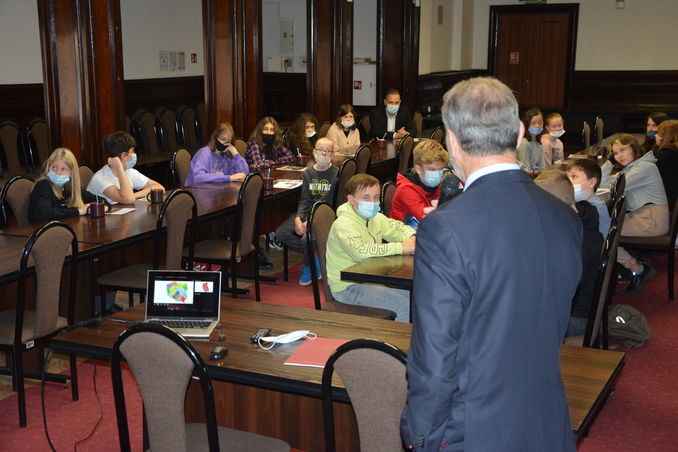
(150, 187)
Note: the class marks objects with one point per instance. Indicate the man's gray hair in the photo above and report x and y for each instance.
(483, 114)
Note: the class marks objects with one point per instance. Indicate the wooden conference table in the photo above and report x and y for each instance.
(256, 392)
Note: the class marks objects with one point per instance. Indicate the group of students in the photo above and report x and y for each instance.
(541, 146)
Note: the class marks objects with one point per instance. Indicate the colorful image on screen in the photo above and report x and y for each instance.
(173, 292)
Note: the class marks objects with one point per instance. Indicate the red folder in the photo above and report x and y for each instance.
(314, 352)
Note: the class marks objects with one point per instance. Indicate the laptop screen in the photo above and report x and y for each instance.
(183, 294)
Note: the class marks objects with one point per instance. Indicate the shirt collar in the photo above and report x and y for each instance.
(494, 168)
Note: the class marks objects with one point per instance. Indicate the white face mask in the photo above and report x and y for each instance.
(322, 160)
(310, 134)
(557, 133)
(347, 124)
(286, 338)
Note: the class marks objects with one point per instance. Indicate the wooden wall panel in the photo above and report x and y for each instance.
(22, 102)
(320, 51)
(165, 92)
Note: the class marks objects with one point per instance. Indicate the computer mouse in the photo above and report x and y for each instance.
(218, 353)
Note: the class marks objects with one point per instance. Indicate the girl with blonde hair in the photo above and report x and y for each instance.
(57, 193)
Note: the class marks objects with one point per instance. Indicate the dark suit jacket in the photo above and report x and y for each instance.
(495, 272)
(379, 122)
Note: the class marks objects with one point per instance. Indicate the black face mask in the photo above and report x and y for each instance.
(219, 146)
(268, 139)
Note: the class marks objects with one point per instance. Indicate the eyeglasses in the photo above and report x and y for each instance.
(325, 151)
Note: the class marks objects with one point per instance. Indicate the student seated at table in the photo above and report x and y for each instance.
(646, 204)
(530, 153)
(317, 185)
(558, 184)
(418, 189)
(118, 180)
(666, 154)
(57, 193)
(552, 146)
(344, 132)
(585, 175)
(301, 137)
(651, 125)
(265, 147)
(357, 234)
(218, 161)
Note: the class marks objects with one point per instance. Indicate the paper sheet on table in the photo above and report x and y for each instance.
(122, 211)
(287, 183)
(292, 168)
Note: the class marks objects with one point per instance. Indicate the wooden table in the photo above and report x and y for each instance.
(249, 378)
(391, 271)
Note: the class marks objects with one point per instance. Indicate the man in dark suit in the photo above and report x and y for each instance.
(495, 272)
(392, 120)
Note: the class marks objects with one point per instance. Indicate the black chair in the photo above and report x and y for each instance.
(317, 232)
(374, 375)
(22, 329)
(586, 135)
(387, 192)
(362, 157)
(404, 154)
(14, 161)
(244, 229)
(616, 190)
(188, 123)
(599, 127)
(201, 121)
(663, 243)
(176, 211)
(37, 139)
(15, 195)
(347, 170)
(163, 363)
(364, 126)
(438, 135)
(168, 131)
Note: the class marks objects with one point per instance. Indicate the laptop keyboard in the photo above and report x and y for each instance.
(183, 323)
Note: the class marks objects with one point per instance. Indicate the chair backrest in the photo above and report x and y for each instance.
(618, 214)
(600, 125)
(176, 211)
(317, 232)
(438, 135)
(149, 133)
(617, 189)
(364, 126)
(374, 375)
(387, 192)
(418, 120)
(201, 114)
(11, 148)
(189, 129)
(346, 171)
(180, 164)
(246, 229)
(601, 292)
(362, 159)
(169, 135)
(673, 226)
(16, 194)
(38, 143)
(586, 135)
(405, 153)
(324, 127)
(47, 247)
(240, 146)
(86, 174)
(163, 363)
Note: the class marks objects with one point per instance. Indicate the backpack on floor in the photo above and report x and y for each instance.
(627, 327)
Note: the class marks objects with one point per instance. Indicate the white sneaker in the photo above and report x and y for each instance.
(274, 242)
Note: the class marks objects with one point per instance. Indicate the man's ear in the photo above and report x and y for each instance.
(451, 140)
(521, 134)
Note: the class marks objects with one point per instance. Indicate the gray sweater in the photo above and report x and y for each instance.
(530, 156)
(643, 182)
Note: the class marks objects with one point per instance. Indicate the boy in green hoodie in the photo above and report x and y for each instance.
(357, 234)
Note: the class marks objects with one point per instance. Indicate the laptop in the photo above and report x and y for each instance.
(186, 301)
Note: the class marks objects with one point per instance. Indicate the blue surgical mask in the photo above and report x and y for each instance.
(58, 179)
(132, 162)
(368, 209)
(535, 130)
(392, 109)
(578, 193)
(652, 133)
(433, 178)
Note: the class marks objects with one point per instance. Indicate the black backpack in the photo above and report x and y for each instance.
(627, 327)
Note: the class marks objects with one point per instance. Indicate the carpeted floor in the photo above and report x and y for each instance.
(639, 416)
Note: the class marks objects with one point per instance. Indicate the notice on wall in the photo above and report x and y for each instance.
(172, 60)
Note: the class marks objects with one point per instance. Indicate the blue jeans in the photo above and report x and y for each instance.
(396, 300)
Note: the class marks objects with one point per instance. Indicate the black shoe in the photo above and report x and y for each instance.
(638, 281)
(264, 264)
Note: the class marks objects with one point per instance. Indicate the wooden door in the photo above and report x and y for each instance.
(532, 51)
